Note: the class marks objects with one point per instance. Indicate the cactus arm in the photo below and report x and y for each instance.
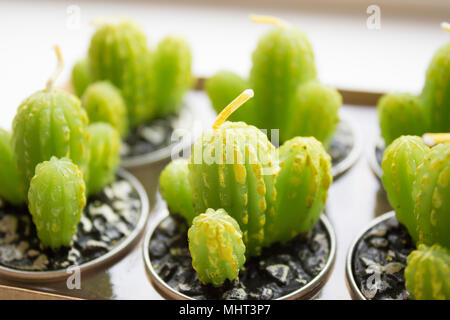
(104, 146)
(56, 199)
(172, 74)
(11, 187)
(314, 112)
(176, 189)
(427, 274)
(436, 91)
(103, 102)
(118, 52)
(81, 77)
(431, 196)
(401, 114)
(400, 161)
(302, 186)
(282, 61)
(216, 246)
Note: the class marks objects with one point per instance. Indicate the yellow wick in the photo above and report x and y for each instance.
(58, 70)
(432, 139)
(268, 19)
(232, 107)
(445, 26)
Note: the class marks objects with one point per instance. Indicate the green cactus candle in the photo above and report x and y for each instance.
(436, 91)
(427, 274)
(11, 186)
(302, 187)
(104, 147)
(176, 189)
(81, 77)
(228, 170)
(288, 95)
(49, 123)
(314, 112)
(118, 52)
(400, 162)
(216, 247)
(56, 199)
(171, 68)
(401, 114)
(431, 195)
(103, 102)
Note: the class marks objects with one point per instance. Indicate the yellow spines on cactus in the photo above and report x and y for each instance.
(216, 246)
(427, 274)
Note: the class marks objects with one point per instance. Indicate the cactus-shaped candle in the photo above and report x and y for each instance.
(234, 167)
(50, 122)
(427, 274)
(406, 114)
(288, 96)
(216, 247)
(56, 199)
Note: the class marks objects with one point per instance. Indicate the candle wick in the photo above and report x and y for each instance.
(232, 107)
(445, 26)
(58, 70)
(268, 19)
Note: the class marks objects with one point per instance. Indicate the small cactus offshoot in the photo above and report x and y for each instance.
(427, 274)
(56, 199)
(81, 78)
(216, 247)
(417, 181)
(103, 102)
(288, 95)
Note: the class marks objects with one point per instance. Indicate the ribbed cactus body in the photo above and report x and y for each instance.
(436, 92)
(103, 102)
(400, 162)
(11, 186)
(282, 61)
(176, 189)
(172, 75)
(104, 146)
(56, 199)
(431, 195)
(49, 123)
(232, 168)
(427, 274)
(222, 88)
(81, 76)
(401, 114)
(118, 52)
(302, 188)
(313, 113)
(216, 246)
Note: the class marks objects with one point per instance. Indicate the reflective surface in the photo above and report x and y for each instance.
(354, 200)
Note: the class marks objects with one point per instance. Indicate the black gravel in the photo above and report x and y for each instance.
(108, 218)
(342, 143)
(379, 261)
(148, 137)
(279, 270)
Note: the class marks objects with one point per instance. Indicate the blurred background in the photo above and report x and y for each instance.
(360, 45)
